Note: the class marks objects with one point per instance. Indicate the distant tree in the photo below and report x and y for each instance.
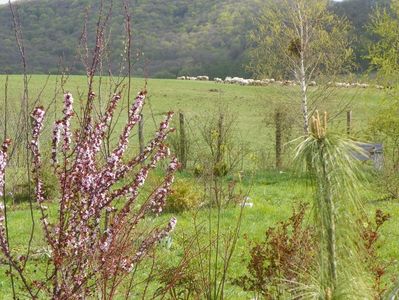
(384, 58)
(383, 54)
(299, 39)
(358, 13)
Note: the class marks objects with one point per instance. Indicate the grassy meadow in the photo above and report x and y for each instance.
(273, 193)
(249, 104)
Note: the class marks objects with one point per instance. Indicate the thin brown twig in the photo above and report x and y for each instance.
(20, 44)
(4, 187)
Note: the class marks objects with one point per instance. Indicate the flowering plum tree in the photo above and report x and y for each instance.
(95, 238)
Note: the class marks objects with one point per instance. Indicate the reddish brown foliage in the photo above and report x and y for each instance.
(282, 259)
(371, 234)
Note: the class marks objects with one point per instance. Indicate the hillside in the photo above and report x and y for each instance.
(177, 37)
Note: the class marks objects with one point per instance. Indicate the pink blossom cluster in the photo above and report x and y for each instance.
(133, 119)
(3, 163)
(63, 127)
(102, 126)
(159, 198)
(37, 126)
(154, 203)
(81, 247)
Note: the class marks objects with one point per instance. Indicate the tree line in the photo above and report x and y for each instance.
(171, 38)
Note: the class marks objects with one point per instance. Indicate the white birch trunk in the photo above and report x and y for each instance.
(302, 73)
(304, 96)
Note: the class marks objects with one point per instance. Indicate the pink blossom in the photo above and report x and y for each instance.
(90, 187)
(3, 163)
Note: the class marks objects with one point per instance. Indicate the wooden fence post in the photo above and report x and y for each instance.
(183, 142)
(219, 147)
(349, 122)
(279, 146)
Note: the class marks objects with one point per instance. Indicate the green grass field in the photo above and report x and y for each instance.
(249, 104)
(272, 193)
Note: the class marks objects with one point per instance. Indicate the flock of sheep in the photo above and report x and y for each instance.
(264, 82)
(354, 85)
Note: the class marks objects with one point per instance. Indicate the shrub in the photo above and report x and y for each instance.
(90, 257)
(388, 183)
(220, 169)
(181, 282)
(21, 191)
(224, 151)
(384, 127)
(184, 196)
(198, 170)
(378, 267)
(282, 260)
(51, 185)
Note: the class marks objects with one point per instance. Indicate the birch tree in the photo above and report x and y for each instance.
(301, 40)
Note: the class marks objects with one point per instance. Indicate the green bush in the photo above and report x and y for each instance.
(185, 196)
(19, 188)
(220, 169)
(198, 170)
(388, 183)
(50, 183)
(384, 128)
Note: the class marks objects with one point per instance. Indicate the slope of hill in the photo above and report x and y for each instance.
(177, 37)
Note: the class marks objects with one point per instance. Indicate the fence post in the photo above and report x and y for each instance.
(219, 150)
(183, 142)
(349, 122)
(279, 148)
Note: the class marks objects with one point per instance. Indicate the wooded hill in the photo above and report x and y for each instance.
(176, 37)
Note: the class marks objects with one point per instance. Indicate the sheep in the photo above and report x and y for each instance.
(244, 81)
(257, 83)
(288, 83)
(250, 81)
(237, 79)
(228, 80)
(340, 84)
(267, 81)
